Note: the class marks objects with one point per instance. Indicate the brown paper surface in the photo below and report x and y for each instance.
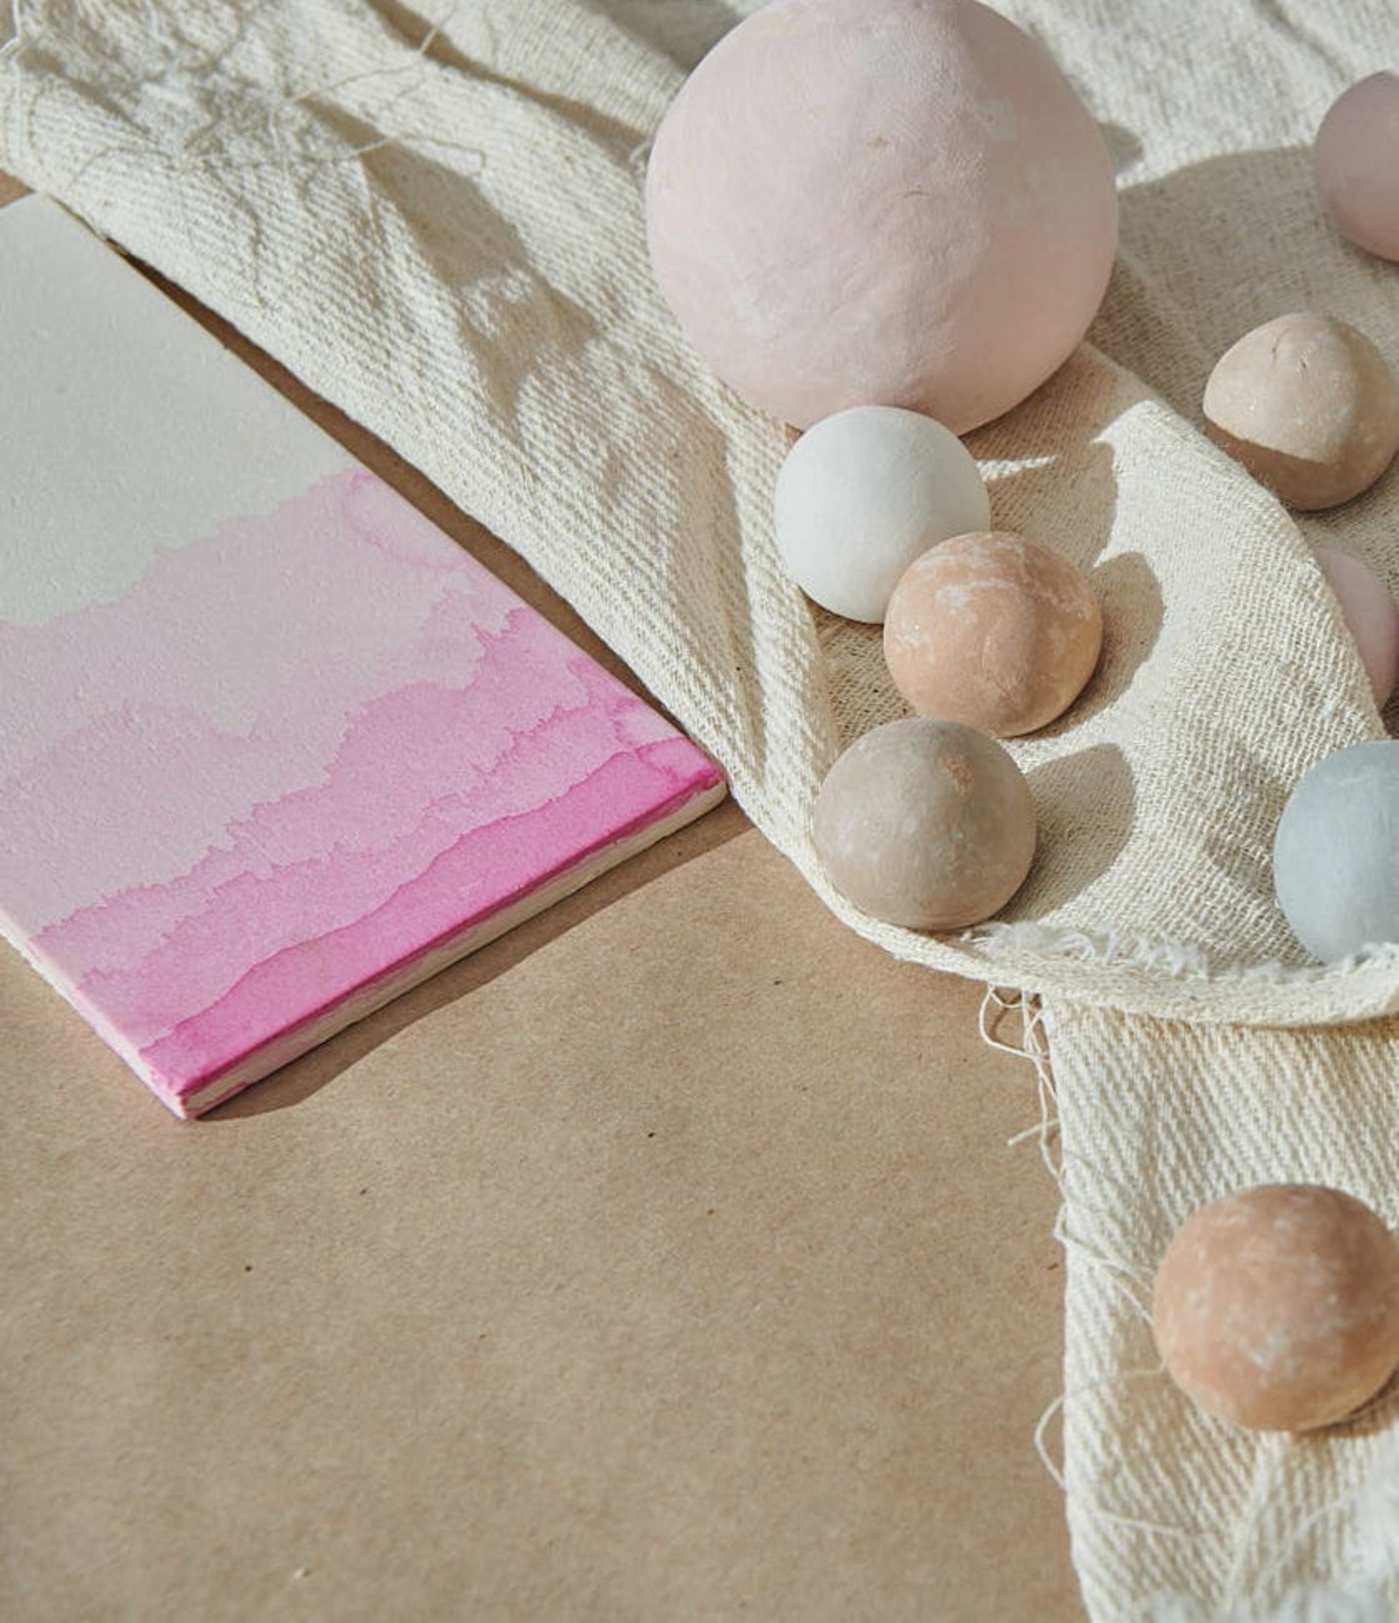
(664, 1260)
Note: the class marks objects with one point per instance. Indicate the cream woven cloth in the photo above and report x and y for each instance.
(435, 221)
(1175, 1516)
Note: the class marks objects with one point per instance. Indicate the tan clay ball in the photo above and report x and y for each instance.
(993, 630)
(1309, 406)
(927, 824)
(1277, 1308)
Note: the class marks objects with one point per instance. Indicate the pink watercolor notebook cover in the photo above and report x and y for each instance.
(272, 747)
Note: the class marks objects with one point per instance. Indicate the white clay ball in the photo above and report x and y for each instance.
(894, 202)
(1334, 856)
(862, 495)
(1371, 616)
(927, 824)
(1309, 406)
(1357, 164)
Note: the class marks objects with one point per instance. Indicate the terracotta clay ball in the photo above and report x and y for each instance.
(1277, 1308)
(1371, 616)
(1357, 164)
(927, 824)
(1309, 406)
(881, 202)
(994, 630)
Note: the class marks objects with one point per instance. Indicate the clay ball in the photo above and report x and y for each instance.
(862, 494)
(893, 202)
(993, 630)
(1371, 616)
(927, 824)
(1333, 853)
(1277, 1308)
(1309, 406)
(1356, 169)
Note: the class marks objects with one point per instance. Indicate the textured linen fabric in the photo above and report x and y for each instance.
(1173, 1514)
(440, 229)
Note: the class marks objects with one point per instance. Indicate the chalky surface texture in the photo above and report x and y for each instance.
(995, 630)
(1334, 852)
(1277, 1308)
(862, 494)
(928, 824)
(1309, 406)
(898, 202)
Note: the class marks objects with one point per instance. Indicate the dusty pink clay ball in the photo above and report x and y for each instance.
(1357, 164)
(1370, 613)
(881, 202)
(1277, 1307)
(994, 630)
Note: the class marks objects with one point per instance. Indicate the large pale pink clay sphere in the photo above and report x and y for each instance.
(881, 202)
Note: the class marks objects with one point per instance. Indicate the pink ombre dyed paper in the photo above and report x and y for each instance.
(308, 754)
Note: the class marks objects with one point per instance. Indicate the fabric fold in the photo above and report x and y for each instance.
(438, 226)
(436, 223)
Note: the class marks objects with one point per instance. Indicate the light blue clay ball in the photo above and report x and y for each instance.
(1336, 852)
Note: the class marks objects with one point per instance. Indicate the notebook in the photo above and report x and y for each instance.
(273, 748)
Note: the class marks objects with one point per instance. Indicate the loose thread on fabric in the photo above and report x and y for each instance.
(1034, 1048)
(284, 156)
(417, 67)
(1179, 960)
(1057, 1406)
(19, 39)
(419, 55)
(198, 150)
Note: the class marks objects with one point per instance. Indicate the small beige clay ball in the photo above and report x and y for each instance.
(1357, 164)
(927, 824)
(1309, 406)
(993, 630)
(1277, 1308)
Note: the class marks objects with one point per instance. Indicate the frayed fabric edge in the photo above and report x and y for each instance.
(1178, 959)
(1363, 1595)
(1128, 970)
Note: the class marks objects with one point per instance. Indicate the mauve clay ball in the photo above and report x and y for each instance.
(1277, 1308)
(927, 824)
(1334, 867)
(881, 202)
(862, 494)
(1370, 613)
(1309, 406)
(1357, 164)
(993, 630)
